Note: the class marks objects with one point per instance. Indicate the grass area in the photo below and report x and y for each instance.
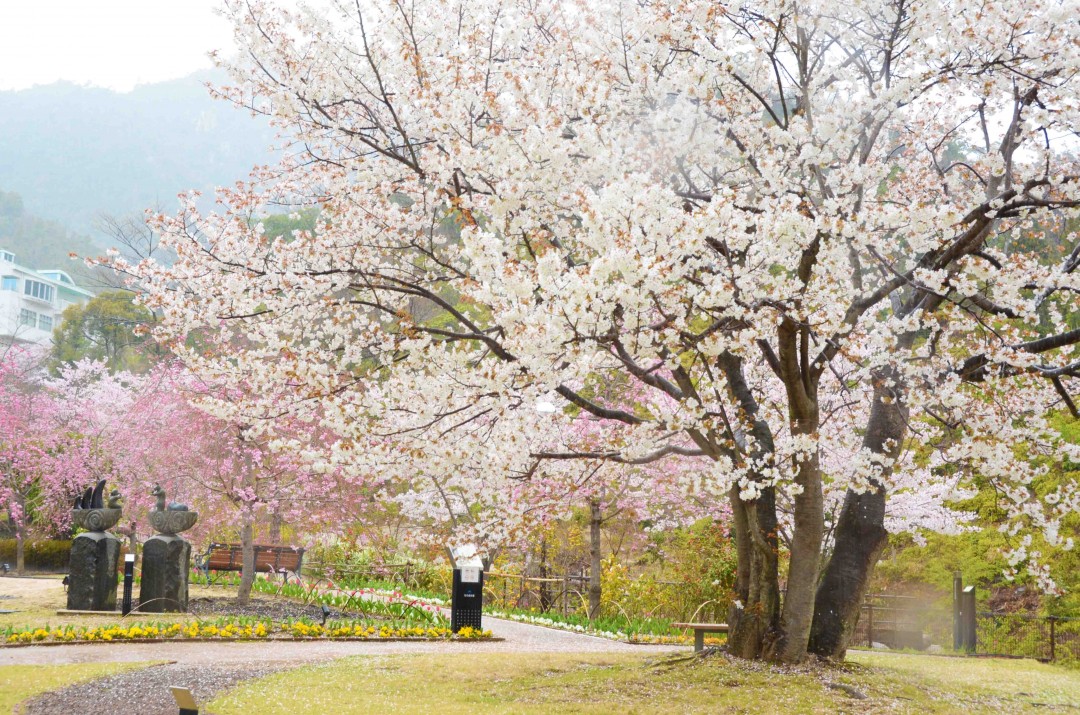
(19, 682)
(604, 683)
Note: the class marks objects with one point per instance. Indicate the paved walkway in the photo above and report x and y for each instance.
(519, 638)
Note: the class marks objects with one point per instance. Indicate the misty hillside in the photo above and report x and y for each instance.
(73, 153)
(40, 243)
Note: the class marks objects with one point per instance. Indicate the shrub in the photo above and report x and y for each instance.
(48, 555)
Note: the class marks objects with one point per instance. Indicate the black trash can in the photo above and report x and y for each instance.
(467, 605)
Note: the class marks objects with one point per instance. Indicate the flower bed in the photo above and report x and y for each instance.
(616, 635)
(238, 629)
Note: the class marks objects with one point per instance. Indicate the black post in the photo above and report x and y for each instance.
(129, 579)
(957, 626)
(869, 623)
(967, 614)
(1052, 636)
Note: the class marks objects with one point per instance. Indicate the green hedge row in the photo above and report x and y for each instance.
(51, 555)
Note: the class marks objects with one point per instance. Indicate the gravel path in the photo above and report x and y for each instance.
(146, 691)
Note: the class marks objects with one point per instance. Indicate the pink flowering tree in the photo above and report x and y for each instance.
(828, 234)
(35, 481)
(235, 474)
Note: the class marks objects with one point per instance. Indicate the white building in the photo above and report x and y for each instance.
(32, 302)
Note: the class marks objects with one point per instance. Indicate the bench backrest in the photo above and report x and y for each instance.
(230, 557)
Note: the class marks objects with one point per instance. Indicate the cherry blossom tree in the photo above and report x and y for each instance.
(28, 479)
(835, 237)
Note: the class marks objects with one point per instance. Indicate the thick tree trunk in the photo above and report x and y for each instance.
(860, 537)
(860, 531)
(808, 529)
(247, 573)
(595, 585)
(805, 559)
(755, 619)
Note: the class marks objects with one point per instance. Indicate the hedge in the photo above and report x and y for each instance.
(45, 555)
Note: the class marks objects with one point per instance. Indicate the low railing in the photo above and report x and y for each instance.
(1025, 635)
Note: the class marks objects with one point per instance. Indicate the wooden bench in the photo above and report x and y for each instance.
(268, 559)
(700, 629)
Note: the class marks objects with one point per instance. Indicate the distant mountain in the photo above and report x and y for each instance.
(74, 153)
(40, 243)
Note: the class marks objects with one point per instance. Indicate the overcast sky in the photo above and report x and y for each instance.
(106, 43)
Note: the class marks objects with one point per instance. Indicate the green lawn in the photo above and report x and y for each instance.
(597, 683)
(19, 682)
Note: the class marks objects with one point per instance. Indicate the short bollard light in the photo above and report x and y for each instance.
(129, 578)
(184, 700)
(325, 613)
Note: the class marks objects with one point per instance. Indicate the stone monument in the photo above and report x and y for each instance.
(166, 558)
(95, 553)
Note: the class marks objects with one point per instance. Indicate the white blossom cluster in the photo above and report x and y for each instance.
(816, 248)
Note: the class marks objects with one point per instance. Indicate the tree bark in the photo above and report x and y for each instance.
(860, 531)
(808, 529)
(247, 529)
(20, 551)
(807, 537)
(275, 528)
(545, 573)
(754, 620)
(247, 573)
(595, 584)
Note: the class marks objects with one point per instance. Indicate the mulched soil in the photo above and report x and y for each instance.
(146, 691)
(275, 609)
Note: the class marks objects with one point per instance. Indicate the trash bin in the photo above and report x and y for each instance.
(467, 605)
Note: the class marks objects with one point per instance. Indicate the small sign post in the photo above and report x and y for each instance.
(184, 700)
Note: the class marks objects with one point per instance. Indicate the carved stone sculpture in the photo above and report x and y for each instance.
(166, 557)
(94, 554)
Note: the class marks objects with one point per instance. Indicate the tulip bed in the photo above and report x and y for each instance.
(238, 629)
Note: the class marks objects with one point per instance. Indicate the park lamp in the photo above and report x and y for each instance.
(184, 700)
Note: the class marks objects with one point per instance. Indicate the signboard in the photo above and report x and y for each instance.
(470, 574)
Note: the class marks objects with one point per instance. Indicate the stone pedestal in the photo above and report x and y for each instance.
(166, 560)
(92, 577)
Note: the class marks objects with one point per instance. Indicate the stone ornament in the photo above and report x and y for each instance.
(94, 553)
(91, 513)
(96, 519)
(173, 518)
(172, 522)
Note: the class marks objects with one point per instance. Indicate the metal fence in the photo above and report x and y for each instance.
(1028, 636)
(903, 622)
(564, 594)
(570, 594)
(921, 623)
